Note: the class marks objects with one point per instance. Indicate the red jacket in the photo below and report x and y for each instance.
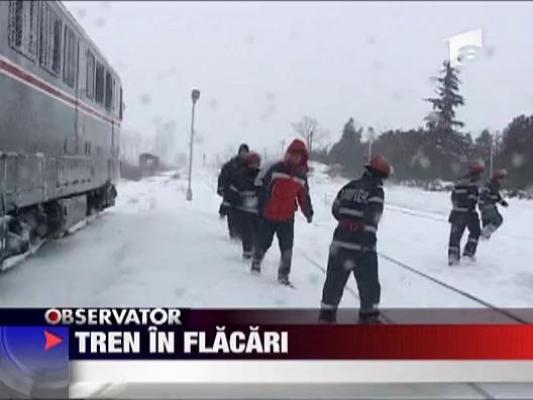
(284, 186)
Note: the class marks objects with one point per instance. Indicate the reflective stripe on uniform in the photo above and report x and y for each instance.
(376, 199)
(326, 306)
(349, 211)
(351, 246)
(287, 176)
(460, 209)
(280, 175)
(299, 180)
(248, 193)
(234, 188)
(472, 240)
(370, 228)
(225, 203)
(248, 210)
(346, 245)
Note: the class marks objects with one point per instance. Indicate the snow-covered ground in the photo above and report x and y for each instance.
(155, 248)
(414, 230)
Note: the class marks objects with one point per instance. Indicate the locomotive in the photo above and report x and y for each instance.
(61, 109)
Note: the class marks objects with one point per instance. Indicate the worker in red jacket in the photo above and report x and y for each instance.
(282, 187)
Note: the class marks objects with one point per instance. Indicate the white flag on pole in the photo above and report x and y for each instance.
(465, 46)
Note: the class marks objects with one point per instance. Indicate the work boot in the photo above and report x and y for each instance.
(486, 232)
(470, 257)
(327, 316)
(256, 267)
(283, 279)
(370, 318)
(453, 261)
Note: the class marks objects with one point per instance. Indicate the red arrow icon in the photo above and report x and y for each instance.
(51, 340)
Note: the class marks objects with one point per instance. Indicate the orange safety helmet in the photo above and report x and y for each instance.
(380, 165)
(500, 173)
(252, 158)
(476, 167)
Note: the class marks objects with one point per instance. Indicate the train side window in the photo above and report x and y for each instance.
(70, 57)
(91, 63)
(121, 105)
(50, 39)
(100, 83)
(115, 95)
(108, 91)
(22, 27)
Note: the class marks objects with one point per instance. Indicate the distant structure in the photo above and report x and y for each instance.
(148, 164)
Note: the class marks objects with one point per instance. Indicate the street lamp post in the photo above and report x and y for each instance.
(371, 137)
(195, 95)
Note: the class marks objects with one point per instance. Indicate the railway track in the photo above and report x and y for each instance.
(460, 292)
(441, 218)
(388, 320)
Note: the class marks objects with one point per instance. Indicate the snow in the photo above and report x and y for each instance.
(156, 249)
(414, 230)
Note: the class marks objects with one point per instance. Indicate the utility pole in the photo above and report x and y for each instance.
(195, 95)
(371, 137)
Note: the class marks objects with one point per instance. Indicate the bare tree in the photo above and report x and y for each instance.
(320, 135)
(282, 143)
(309, 129)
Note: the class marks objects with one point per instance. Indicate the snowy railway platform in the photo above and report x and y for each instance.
(156, 249)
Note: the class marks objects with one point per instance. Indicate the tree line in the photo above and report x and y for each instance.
(438, 150)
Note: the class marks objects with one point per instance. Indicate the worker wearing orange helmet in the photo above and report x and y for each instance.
(489, 198)
(465, 196)
(283, 187)
(357, 208)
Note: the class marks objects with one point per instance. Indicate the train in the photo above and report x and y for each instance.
(61, 109)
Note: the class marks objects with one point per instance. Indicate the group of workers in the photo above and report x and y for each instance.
(467, 196)
(261, 202)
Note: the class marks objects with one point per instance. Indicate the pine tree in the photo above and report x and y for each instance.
(349, 150)
(447, 100)
(446, 148)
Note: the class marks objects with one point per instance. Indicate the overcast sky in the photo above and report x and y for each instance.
(262, 65)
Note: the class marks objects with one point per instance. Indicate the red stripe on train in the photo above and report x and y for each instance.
(20, 73)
